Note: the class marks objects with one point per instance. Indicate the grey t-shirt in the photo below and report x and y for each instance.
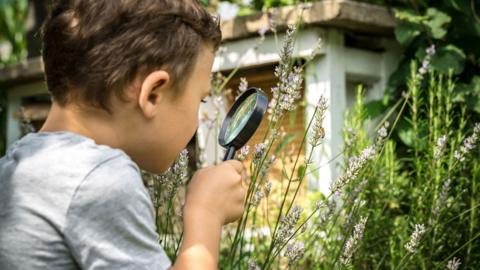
(68, 203)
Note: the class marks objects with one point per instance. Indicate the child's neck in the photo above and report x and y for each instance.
(97, 126)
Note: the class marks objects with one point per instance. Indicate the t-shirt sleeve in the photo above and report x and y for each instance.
(110, 223)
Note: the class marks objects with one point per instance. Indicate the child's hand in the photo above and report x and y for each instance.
(217, 192)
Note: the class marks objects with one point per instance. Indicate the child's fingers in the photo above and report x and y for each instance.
(237, 165)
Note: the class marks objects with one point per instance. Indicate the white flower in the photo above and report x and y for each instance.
(267, 188)
(287, 91)
(179, 170)
(163, 187)
(318, 132)
(243, 85)
(453, 264)
(468, 144)
(354, 167)
(429, 52)
(382, 134)
(352, 242)
(458, 156)
(252, 265)
(440, 203)
(476, 129)
(243, 152)
(294, 253)
(257, 197)
(415, 238)
(259, 150)
(441, 143)
(287, 224)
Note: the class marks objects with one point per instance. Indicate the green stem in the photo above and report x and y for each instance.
(272, 243)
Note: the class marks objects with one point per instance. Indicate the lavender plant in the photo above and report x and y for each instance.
(422, 193)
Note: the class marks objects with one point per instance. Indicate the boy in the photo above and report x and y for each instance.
(126, 79)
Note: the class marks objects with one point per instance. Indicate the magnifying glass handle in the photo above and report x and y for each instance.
(230, 153)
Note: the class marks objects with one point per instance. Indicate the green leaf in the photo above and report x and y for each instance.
(437, 23)
(407, 135)
(405, 32)
(474, 104)
(408, 16)
(469, 93)
(449, 57)
(374, 108)
(420, 53)
(301, 171)
(405, 132)
(475, 86)
(461, 92)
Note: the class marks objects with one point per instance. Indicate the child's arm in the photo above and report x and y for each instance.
(215, 197)
(200, 247)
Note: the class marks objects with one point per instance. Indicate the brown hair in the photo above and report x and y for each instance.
(92, 48)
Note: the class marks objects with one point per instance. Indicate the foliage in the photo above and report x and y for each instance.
(429, 183)
(454, 28)
(13, 15)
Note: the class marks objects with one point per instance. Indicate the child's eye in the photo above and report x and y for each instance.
(204, 100)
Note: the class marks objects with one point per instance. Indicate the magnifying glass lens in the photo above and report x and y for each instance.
(240, 118)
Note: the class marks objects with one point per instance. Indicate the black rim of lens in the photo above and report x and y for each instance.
(261, 105)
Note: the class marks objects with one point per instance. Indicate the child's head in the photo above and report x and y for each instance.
(144, 63)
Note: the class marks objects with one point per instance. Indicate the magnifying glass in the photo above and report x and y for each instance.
(242, 120)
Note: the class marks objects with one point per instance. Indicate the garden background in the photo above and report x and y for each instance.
(368, 158)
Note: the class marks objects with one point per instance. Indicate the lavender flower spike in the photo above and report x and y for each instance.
(287, 91)
(415, 238)
(352, 242)
(441, 143)
(354, 167)
(288, 223)
(294, 253)
(453, 264)
(468, 144)
(243, 152)
(318, 130)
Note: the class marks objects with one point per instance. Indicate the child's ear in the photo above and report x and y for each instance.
(152, 91)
